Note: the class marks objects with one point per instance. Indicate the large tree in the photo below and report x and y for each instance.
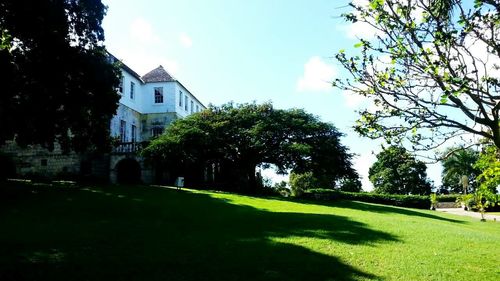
(396, 171)
(431, 70)
(58, 84)
(231, 141)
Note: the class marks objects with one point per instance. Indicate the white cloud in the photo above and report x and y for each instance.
(360, 30)
(353, 100)
(362, 164)
(142, 31)
(317, 76)
(185, 40)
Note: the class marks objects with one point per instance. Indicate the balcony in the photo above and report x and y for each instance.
(128, 147)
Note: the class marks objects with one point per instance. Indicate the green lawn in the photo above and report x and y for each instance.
(150, 233)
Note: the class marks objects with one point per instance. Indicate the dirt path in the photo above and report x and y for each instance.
(461, 212)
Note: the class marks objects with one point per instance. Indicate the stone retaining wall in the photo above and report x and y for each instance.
(448, 205)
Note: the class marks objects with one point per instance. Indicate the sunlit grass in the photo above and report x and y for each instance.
(152, 233)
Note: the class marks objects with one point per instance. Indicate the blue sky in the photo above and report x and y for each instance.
(243, 51)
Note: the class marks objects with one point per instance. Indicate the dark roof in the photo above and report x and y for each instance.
(158, 74)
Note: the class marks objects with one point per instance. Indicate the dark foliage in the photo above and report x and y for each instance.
(447, 198)
(411, 201)
(7, 167)
(58, 83)
(396, 171)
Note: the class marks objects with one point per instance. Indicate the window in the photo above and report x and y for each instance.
(192, 106)
(133, 132)
(197, 108)
(120, 86)
(43, 162)
(180, 98)
(158, 94)
(132, 90)
(156, 131)
(185, 103)
(123, 130)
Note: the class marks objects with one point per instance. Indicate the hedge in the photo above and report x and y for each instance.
(448, 198)
(411, 201)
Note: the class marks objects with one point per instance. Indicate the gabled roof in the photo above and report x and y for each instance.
(158, 74)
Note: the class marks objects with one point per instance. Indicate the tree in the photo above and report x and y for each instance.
(351, 184)
(302, 182)
(396, 171)
(229, 142)
(459, 162)
(58, 84)
(431, 71)
(489, 165)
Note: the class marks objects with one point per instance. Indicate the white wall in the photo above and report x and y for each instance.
(130, 117)
(181, 109)
(135, 103)
(143, 102)
(148, 98)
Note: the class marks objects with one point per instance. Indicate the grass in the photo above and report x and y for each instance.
(148, 233)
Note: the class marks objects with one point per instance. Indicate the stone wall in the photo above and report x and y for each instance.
(36, 160)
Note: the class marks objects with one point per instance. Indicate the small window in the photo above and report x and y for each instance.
(132, 90)
(180, 98)
(192, 106)
(43, 162)
(156, 131)
(123, 130)
(120, 86)
(133, 133)
(158, 94)
(185, 103)
(197, 108)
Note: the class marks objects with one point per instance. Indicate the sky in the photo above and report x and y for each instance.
(243, 51)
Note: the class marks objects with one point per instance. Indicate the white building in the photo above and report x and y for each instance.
(150, 103)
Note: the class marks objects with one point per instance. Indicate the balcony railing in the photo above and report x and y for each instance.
(128, 147)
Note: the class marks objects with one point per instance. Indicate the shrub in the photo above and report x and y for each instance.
(411, 201)
(299, 183)
(434, 201)
(447, 198)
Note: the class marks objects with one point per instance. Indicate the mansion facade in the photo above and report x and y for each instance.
(148, 104)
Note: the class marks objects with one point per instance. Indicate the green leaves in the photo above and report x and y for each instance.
(376, 4)
(242, 137)
(396, 171)
(427, 68)
(359, 44)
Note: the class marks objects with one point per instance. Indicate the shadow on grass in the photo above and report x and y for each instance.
(376, 208)
(156, 234)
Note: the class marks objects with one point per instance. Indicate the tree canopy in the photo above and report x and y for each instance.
(229, 142)
(431, 70)
(396, 171)
(58, 84)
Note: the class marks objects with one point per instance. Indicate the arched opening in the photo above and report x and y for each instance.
(128, 171)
